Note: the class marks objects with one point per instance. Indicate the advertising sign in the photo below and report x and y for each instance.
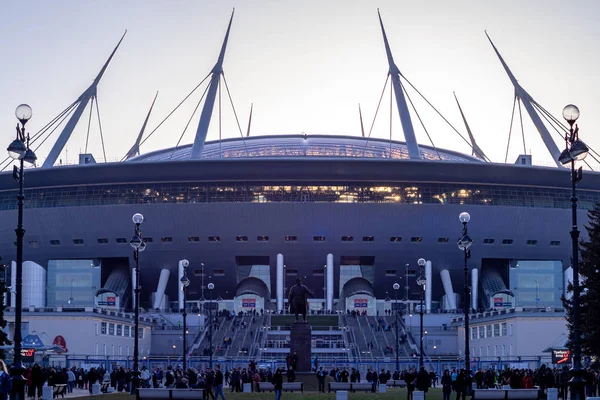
(561, 356)
(249, 303)
(500, 302)
(361, 303)
(28, 355)
(111, 301)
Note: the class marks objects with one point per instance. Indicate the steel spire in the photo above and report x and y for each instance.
(527, 103)
(83, 101)
(476, 150)
(405, 120)
(209, 103)
(135, 149)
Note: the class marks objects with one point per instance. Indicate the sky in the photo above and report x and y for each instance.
(305, 65)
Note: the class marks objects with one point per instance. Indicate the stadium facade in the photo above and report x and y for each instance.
(254, 213)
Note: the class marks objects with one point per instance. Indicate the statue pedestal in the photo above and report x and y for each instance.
(301, 344)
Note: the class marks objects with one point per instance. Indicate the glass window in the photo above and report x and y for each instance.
(489, 331)
(141, 333)
(473, 333)
(481, 332)
(111, 329)
(126, 327)
(119, 330)
(496, 330)
(103, 328)
(504, 329)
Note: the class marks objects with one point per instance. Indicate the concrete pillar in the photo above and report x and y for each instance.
(180, 286)
(34, 284)
(160, 289)
(428, 286)
(133, 285)
(474, 288)
(447, 282)
(279, 286)
(568, 281)
(329, 302)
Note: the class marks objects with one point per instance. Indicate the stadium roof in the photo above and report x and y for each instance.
(301, 146)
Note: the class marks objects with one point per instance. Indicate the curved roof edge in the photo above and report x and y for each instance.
(303, 145)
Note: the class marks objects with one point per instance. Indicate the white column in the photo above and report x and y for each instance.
(133, 285)
(160, 289)
(279, 286)
(179, 286)
(34, 284)
(568, 281)
(13, 283)
(474, 287)
(447, 282)
(428, 287)
(329, 303)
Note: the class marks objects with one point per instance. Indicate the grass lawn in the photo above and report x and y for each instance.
(392, 394)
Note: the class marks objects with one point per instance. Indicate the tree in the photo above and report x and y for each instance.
(590, 287)
(3, 335)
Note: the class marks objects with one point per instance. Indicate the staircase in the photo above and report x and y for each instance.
(238, 337)
(360, 337)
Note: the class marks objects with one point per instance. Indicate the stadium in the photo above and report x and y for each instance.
(349, 215)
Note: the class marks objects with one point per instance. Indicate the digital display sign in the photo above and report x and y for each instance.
(561, 356)
(249, 303)
(28, 355)
(361, 303)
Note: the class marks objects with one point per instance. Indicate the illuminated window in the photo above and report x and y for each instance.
(241, 238)
(262, 238)
(368, 238)
(214, 239)
(416, 239)
(396, 239)
(347, 238)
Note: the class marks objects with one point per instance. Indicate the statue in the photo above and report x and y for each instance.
(298, 299)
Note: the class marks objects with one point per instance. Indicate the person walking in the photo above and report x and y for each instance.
(219, 383)
(277, 382)
(446, 385)
(321, 378)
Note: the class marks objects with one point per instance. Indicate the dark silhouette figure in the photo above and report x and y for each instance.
(298, 299)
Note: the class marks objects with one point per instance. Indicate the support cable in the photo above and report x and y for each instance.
(420, 120)
(522, 130)
(439, 113)
(172, 111)
(188, 122)
(87, 137)
(100, 127)
(391, 96)
(512, 118)
(376, 111)
(235, 112)
(220, 118)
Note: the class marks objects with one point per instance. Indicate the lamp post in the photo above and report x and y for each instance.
(19, 150)
(138, 244)
(421, 281)
(575, 150)
(211, 286)
(463, 244)
(396, 287)
(185, 282)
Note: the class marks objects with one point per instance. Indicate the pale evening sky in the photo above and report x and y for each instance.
(304, 64)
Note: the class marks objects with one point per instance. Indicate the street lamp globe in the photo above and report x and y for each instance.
(29, 157)
(396, 286)
(464, 217)
(570, 113)
(185, 281)
(137, 218)
(23, 113)
(136, 242)
(211, 286)
(16, 150)
(185, 263)
(421, 262)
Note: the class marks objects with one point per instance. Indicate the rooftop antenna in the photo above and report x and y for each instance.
(407, 126)
(362, 127)
(476, 150)
(249, 120)
(135, 149)
(527, 103)
(209, 104)
(83, 100)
